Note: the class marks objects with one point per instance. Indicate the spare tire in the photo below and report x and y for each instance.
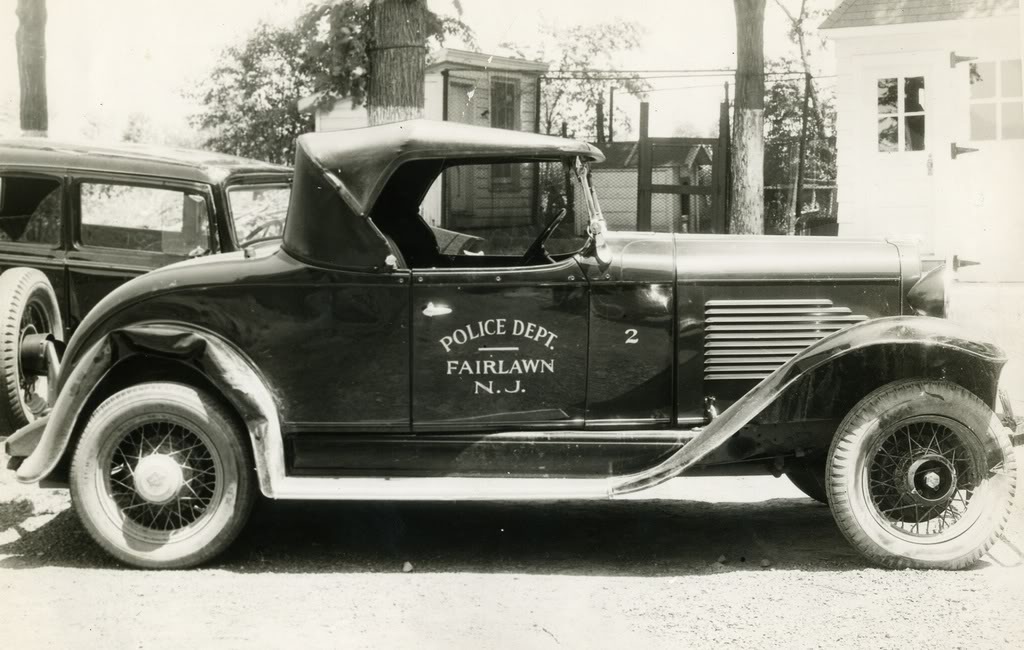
(28, 305)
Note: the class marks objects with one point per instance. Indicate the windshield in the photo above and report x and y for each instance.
(259, 211)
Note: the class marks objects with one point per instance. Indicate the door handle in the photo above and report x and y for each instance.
(432, 310)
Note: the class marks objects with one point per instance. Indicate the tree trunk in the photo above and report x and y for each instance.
(397, 55)
(748, 126)
(30, 42)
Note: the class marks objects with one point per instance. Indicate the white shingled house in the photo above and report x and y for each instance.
(931, 146)
(471, 88)
(931, 127)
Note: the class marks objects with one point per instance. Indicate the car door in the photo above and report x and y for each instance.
(32, 211)
(502, 348)
(123, 227)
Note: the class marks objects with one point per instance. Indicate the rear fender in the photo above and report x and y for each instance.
(932, 342)
(227, 369)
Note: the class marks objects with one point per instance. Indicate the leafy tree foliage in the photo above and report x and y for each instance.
(583, 58)
(250, 99)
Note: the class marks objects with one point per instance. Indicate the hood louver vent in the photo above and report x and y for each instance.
(750, 339)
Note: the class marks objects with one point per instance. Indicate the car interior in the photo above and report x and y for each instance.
(517, 236)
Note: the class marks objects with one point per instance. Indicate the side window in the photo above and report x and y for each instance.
(997, 100)
(137, 218)
(901, 114)
(469, 224)
(30, 210)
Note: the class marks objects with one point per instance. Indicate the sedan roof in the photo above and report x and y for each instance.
(161, 162)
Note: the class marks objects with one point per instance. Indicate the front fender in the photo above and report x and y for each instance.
(933, 336)
(225, 366)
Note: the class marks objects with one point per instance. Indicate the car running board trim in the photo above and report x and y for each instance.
(448, 488)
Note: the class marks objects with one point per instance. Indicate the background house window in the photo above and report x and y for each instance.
(997, 101)
(505, 115)
(901, 114)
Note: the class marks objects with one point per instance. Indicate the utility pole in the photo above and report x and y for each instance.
(611, 114)
(791, 227)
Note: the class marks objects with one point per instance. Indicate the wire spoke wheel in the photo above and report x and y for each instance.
(923, 475)
(162, 477)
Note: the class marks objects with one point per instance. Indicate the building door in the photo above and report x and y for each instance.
(897, 140)
(987, 169)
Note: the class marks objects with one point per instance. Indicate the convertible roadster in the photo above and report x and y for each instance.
(555, 361)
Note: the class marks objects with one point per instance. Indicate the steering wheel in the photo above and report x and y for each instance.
(536, 249)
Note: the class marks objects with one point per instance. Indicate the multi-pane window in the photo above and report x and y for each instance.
(901, 114)
(997, 101)
(505, 115)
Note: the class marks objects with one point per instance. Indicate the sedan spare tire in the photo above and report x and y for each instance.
(28, 305)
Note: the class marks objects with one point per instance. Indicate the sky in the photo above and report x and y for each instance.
(110, 59)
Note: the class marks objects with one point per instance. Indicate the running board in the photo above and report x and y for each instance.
(447, 488)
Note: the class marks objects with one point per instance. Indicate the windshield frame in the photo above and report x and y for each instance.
(261, 182)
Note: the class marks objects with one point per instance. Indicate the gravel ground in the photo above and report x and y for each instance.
(564, 575)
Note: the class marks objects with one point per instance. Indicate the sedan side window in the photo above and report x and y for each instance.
(137, 218)
(30, 210)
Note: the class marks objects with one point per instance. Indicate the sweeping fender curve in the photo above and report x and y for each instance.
(938, 334)
(233, 375)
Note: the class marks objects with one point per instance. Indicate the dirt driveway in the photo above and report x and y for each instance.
(641, 573)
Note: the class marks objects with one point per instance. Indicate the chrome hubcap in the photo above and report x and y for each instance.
(163, 477)
(158, 478)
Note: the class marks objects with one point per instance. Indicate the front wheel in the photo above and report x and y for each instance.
(161, 476)
(921, 474)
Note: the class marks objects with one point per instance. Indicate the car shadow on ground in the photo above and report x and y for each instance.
(641, 538)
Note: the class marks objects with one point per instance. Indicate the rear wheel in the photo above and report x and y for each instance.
(161, 476)
(921, 474)
(28, 306)
(808, 475)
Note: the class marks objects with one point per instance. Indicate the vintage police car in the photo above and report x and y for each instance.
(561, 361)
(77, 220)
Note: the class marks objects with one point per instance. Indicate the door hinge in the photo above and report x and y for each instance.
(956, 150)
(955, 59)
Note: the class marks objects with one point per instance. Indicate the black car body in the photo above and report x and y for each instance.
(358, 361)
(83, 270)
(88, 217)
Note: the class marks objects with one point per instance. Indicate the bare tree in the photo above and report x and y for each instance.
(798, 33)
(30, 41)
(747, 200)
(397, 58)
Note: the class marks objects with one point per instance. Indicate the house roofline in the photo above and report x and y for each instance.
(921, 27)
(447, 58)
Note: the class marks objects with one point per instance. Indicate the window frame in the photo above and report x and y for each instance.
(901, 114)
(185, 187)
(513, 181)
(998, 99)
(63, 235)
(242, 181)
